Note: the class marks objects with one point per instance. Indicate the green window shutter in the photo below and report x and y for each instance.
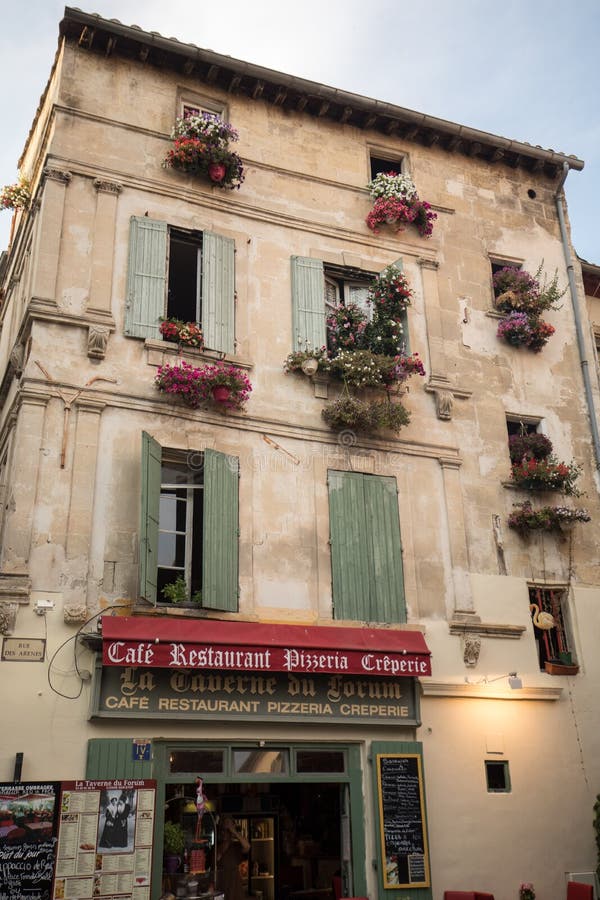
(146, 277)
(366, 558)
(109, 758)
(350, 564)
(218, 292)
(391, 748)
(220, 532)
(151, 472)
(308, 303)
(383, 534)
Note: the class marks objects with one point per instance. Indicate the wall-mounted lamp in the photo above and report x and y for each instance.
(514, 682)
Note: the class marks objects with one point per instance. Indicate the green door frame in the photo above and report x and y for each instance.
(353, 777)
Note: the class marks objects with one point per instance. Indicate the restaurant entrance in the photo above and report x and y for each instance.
(291, 804)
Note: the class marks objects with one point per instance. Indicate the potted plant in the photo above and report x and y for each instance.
(547, 474)
(522, 299)
(307, 361)
(228, 385)
(179, 332)
(177, 592)
(16, 196)
(348, 413)
(224, 383)
(525, 518)
(529, 446)
(174, 845)
(397, 204)
(201, 147)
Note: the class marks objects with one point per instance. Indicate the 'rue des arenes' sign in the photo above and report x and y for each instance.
(151, 642)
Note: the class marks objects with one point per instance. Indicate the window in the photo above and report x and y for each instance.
(497, 777)
(522, 425)
(208, 761)
(344, 287)
(498, 264)
(548, 605)
(386, 164)
(366, 552)
(189, 524)
(179, 273)
(317, 288)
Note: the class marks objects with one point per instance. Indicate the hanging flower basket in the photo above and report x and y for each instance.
(525, 518)
(201, 147)
(397, 204)
(195, 385)
(522, 330)
(16, 196)
(548, 474)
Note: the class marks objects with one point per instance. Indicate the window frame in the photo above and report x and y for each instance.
(220, 525)
(497, 262)
(385, 160)
(503, 763)
(562, 632)
(147, 282)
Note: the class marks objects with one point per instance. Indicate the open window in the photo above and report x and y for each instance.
(549, 615)
(317, 288)
(383, 163)
(189, 526)
(187, 274)
(496, 265)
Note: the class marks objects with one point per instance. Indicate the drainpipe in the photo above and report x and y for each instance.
(585, 370)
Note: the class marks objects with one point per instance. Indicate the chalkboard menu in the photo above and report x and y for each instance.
(404, 849)
(28, 836)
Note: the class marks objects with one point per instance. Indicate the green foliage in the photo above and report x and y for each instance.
(174, 838)
(177, 592)
(348, 413)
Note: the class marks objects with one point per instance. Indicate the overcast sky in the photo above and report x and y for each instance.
(522, 69)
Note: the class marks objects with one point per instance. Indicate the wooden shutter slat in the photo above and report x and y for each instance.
(150, 490)
(308, 303)
(220, 532)
(146, 277)
(218, 292)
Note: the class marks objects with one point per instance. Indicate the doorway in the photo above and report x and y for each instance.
(294, 831)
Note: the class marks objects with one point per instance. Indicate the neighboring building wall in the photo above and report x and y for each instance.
(82, 394)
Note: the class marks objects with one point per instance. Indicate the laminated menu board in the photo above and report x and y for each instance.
(28, 836)
(403, 828)
(105, 840)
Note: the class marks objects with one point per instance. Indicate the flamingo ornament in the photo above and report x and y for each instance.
(543, 620)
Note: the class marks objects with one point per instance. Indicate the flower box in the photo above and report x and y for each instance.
(556, 668)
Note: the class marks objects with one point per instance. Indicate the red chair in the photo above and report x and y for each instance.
(460, 895)
(578, 891)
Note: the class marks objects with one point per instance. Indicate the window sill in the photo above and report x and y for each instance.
(552, 668)
(160, 352)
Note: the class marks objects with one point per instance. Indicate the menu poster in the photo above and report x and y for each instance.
(402, 818)
(105, 840)
(28, 828)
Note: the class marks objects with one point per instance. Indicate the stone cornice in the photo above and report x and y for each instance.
(91, 33)
(486, 629)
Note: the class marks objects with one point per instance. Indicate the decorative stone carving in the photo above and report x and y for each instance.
(8, 617)
(17, 359)
(97, 341)
(75, 613)
(109, 187)
(428, 263)
(471, 649)
(444, 403)
(57, 175)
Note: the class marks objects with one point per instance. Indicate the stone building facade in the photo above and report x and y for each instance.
(261, 505)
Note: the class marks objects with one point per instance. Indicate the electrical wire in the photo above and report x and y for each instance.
(74, 637)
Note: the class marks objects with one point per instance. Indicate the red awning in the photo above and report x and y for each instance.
(149, 641)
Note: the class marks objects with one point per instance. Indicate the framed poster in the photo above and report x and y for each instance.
(28, 838)
(402, 820)
(105, 840)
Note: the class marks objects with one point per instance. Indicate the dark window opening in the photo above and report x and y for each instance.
(320, 761)
(548, 612)
(497, 777)
(519, 427)
(385, 165)
(205, 761)
(185, 274)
